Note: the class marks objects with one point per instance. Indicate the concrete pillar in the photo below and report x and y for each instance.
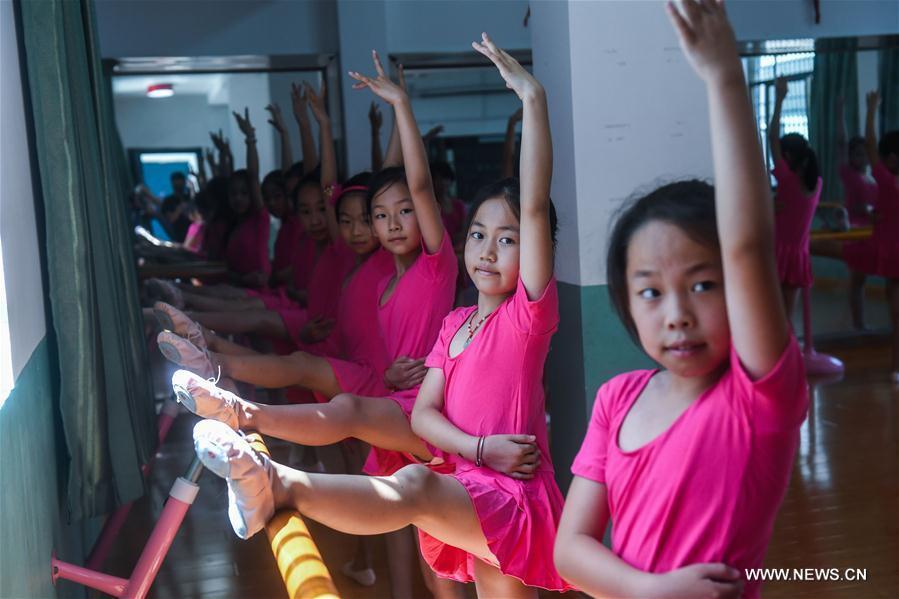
(627, 114)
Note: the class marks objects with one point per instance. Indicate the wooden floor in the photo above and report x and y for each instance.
(841, 511)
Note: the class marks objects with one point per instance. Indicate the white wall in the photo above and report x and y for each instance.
(185, 120)
(451, 25)
(215, 28)
(627, 114)
(24, 306)
(783, 19)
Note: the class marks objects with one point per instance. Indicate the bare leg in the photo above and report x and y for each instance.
(207, 303)
(377, 421)
(221, 290)
(274, 372)
(363, 505)
(220, 345)
(262, 322)
(857, 299)
(400, 555)
(893, 306)
(490, 582)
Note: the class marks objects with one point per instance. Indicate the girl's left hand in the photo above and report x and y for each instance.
(381, 85)
(316, 330)
(516, 76)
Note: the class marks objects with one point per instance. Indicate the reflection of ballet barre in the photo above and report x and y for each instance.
(304, 571)
(850, 235)
(183, 270)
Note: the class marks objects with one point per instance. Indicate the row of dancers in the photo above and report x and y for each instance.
(690, 461)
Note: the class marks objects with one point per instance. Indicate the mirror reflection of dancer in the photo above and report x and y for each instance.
(493, 519)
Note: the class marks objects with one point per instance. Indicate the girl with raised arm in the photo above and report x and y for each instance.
(493, 520)
(798, 192)
(691, 461)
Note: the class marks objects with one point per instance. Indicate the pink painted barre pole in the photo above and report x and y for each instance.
(181, 497)
(116, 521)
(111, 585)
(815, 363)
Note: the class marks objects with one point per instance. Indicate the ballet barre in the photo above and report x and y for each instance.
(301, 565)
(183, 270)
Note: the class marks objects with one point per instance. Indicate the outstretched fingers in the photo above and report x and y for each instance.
(685, 32)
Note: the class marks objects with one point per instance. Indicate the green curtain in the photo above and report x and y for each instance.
(105, 400)
(889, 89)
(835, 74)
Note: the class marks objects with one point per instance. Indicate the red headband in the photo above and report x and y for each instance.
(338, 191)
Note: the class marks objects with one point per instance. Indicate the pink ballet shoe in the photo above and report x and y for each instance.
(172, 319)
(206, 399)
(182, 352)
(166, 291)
(225, 452)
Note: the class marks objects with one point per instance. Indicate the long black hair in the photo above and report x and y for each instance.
(510, 191)
(801, 158)
(688, 204)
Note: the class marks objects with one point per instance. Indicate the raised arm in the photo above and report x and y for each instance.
(415, 161)
(758, 324)
(536, 169)
(375, 119)
(394, 156)
(872, 100)
(328, 177)
(277, 121)
(780, 92)
(509, 144)
(249, 133)
(298, 101)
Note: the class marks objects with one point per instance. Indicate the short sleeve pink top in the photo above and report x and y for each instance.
(495, 386)
(792, 226)
(708, 488)
(886, 224)
(860, 192)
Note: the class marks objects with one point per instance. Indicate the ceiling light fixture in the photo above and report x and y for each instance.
(160, 90)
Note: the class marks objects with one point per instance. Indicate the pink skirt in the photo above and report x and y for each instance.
(385, 462)
(357, 378)
(519, 520)
(794, 264)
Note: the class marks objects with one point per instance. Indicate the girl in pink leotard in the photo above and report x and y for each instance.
(798, 192)
(691, 461)
(501, 483)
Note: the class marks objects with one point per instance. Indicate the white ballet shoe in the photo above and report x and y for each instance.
(225, 452)
(206, 399)
(174, 320)
(364, 577)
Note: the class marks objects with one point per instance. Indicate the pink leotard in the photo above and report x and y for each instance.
(792, 225)
(708, 488)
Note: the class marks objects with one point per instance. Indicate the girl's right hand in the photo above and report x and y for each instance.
(514, 455)
(298, 102)
(780, 88)
(873, 99)
(707, 39)
(405, 373)
(381, 85)
(317, 102)
(698, 580)
(243, 122)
